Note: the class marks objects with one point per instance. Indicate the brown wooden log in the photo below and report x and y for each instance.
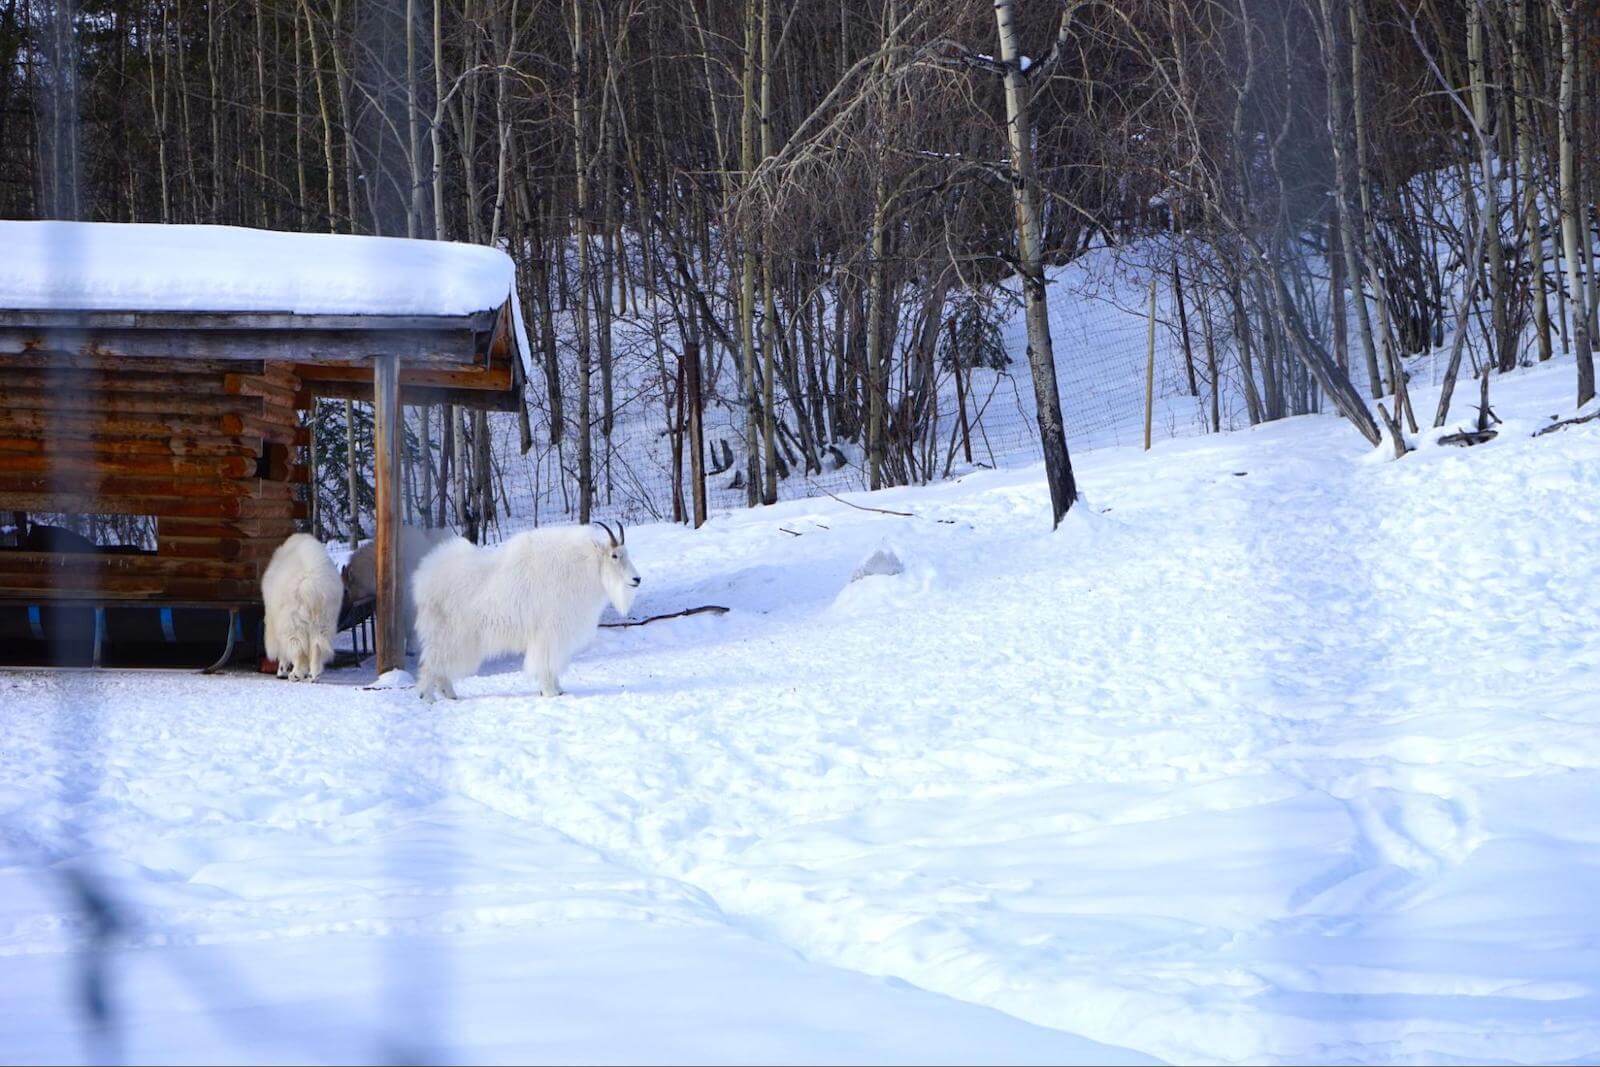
(98, 483)
(271, 490)
(282, 433)
(272, 412)
(195, 402)
(273, 509)
(128, 587)
(96, 382)
(76, 463)
(200, 548)
(273, 529)
(64, 426)
(245, 446)
(92, 566)
(282, 373)
(81, 503)
(257, 550)
(116, 364)
(279, 392)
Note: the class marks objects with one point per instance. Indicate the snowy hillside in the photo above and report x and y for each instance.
(1276, 752)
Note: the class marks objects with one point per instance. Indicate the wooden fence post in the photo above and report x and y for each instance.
(1150, 367)
(697, 444)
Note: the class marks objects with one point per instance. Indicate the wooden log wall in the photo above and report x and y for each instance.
(212, 449)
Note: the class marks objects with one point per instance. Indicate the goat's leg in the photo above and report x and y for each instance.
(540, 663)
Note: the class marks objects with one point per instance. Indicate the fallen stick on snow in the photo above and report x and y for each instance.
(703, 609)
(863, 507)
(1467, 438)
(1564, 423)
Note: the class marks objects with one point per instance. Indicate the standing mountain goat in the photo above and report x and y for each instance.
(539, 593)
(301, 590)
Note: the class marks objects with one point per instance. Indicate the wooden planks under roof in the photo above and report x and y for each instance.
(467, 360)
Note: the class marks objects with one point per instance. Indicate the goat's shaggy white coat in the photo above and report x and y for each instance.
(302, 591)
(539, 593)
(361, 573)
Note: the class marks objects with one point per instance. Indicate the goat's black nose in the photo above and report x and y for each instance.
(636, 581)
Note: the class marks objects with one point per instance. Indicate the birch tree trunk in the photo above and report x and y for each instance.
(1374, 260)
(769, 310)
(1532, 231)
(747, 265)
(875, 300)
(1505, 352)
(585, 371)
(436, 126)
(1025, 195)
(263, 217)
(1571, 211)
(327, 117)
(1348, 224)
(413, 134)
(159, 112)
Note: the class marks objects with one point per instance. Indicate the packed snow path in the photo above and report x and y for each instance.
(1274, 752)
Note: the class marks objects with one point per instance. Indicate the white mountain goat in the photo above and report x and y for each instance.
(301, 591)
(540, 593)
(361, 573)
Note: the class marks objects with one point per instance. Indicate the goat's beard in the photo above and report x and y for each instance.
(620, 593)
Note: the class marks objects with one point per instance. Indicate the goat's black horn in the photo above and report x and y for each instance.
(611, 536)
(622, 533)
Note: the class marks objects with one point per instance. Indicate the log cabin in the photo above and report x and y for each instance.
(165, 372)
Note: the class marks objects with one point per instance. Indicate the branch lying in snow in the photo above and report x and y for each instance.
(703, 609)
(1564, 423)
(880, 511)
(1468, 438)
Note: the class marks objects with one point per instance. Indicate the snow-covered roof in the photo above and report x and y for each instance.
(98, 266)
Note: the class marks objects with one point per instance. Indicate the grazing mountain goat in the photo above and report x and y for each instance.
(539, 593)
(301, 590)
(361, 573)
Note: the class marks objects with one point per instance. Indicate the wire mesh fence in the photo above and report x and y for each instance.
(1101, 320)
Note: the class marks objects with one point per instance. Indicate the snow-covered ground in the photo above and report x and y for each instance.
(1276, 752)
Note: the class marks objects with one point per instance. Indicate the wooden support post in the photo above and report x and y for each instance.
(1150, 368)
(386, 497)
(697, 442)
(961, 396)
